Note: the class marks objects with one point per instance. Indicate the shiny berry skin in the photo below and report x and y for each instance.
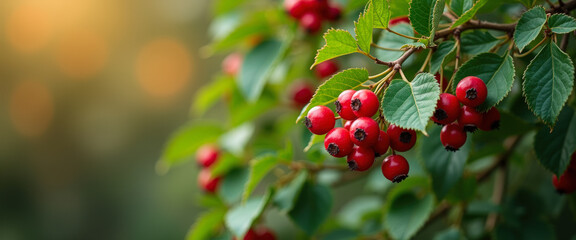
(447, 109)
(333, 13)
(471, 91)
(398, 20)
(207, 155)
(311, 22)
(381, 146)
(232, 63)
(364, 103)
(470, 119)
(364, 132)
(395, 168)
(343, 107)
(301, 93)
(326, 69)
(337, 142)
(297, 8)
(320, 120)
(208, 182)
(443, 84)
(360, 159)
(348, 124)
(491, 120)
(453, 137)
(401, 139)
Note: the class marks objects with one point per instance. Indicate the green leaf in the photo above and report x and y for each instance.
(329, 91)
(185, 141)
(206, 224)
(413, 45)
(224, 6)
(393, 41)
(232, 184)
(259, 167)
(381, 9)
(209, 94)
(476, 42)
(560, 23)
(445, 167)
(338, 43)
(399, 8)
(351, 215)
(239, 219)
(256, 68)
(312, 207)
(407, 214)
(364, 29)
(554, 149)
(235, 140)
(548, 81)
(451, 233)
(411, 104)
(425, 16)
(461, 6)
(314, 139)
(257, 24)
(440, 54)
(469, 14)
(497, 72)
(529, 26)
(287, 196)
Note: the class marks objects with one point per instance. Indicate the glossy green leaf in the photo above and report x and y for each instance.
(257, 67)
(411, 104)
(256, 24)
(206, 224)
(329, 91)
(554, 149)
(239, 218)
(529, 26)
(381, 9)
(561, 23)
(407, 214)
(445, 167)
(287, 196)
(476, 42)
(363, 29)
(548, 81)
(312, 207)
(242, 111)
(232, 185)
(314, 139)
(466, 16)
(338, 43)
(259, 167)
(461, 6)
(209, 94)
(393, 41)
(235, 140)
(399, 8)
(425, 16)
(497, 72)
(440, 54)
(353, 212)
(451, 233)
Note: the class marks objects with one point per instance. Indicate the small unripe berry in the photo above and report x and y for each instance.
(208, 182)
(311, 22)
(301, 93)
(365, 103)
(361, 158)
(453, 137)
(471, 91)
(207, 155)
(326, 69)
(491, 120)
(337, 142)
(395, 168)
(401, 139)
(232, 63)
(343, 106)
(469, 119)
(447, 109)
(320, 120)
(364, 132)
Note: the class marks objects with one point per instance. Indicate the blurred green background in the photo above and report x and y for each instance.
(90, 90)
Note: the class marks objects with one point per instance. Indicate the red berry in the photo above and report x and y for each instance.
(566, 184)
(471, 91)
(337, 142)
(491, 120)
(364, 103)
(208, 182)
(266, 234)
(398, 20)
(447, 109)
(453, 137)
(301, 94)
(395, 168)
(364, 132)
(326, 69)
(348, 124)
(333, 13)
(361, 158)
(207, 155)
(250, 235)
(343, 107)
(311, 22)
(469, 119)
(320, 120)
(297, 8)
(443, 84)
(232, 63)
(401, 139)
(381, 146)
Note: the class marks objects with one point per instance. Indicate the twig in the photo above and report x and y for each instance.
(532, 49)
(401, 35)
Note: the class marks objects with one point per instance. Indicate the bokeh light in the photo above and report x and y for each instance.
(31, 108)
(29, 26)
(82, 53)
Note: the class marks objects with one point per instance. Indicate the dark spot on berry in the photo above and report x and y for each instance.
(352, 165)
(405, 137)
(307, 122)
(451, 149)
(495, 125)
(356, 104)
(399, 178)
(470, 128)
(471, 93)
(359, 134)
(440, 114)
(338, 106)
(333, 149)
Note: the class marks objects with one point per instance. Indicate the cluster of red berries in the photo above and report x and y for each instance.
(311, 13)
(471, 92)
(207, 156)
(261, 233)
(361, 140)
(566, 183)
